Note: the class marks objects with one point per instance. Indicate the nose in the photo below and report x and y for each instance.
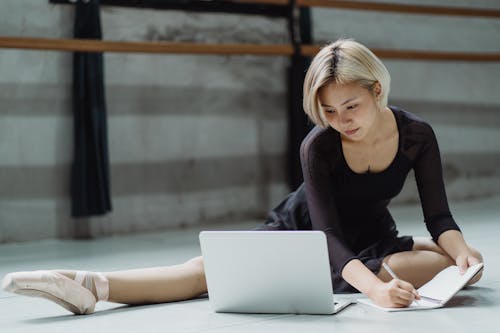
(345, 118)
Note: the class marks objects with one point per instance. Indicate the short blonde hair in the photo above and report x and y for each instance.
(344, 61)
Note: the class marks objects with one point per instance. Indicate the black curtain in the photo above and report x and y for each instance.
(90, 180)
(298, 122)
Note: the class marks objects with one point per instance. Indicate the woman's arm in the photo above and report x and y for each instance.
(395, 293)
(316, 153)
(439, 221)
(453, 242)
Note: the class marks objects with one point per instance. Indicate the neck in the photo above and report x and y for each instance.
(376, 133)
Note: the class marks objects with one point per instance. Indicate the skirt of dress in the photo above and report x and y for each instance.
(292, 214)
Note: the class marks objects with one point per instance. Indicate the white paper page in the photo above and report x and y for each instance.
(447, 283)
(441, 288)
(421, 305)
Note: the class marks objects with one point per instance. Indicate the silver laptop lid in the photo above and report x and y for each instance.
(267, 271)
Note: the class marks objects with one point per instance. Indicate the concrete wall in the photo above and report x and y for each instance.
(192, 138)
(195, 139)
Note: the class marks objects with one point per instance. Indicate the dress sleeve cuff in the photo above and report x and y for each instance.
(439, 224)
(345, 262)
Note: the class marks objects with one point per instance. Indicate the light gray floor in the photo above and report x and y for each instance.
(474, 308)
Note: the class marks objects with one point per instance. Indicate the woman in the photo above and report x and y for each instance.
(354, 162)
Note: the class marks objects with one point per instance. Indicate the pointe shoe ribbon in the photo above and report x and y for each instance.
(90, 279)
(52, 286)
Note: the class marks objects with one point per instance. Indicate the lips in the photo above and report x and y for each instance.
(351, 132)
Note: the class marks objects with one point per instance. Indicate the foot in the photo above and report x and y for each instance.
(51, 285)
(96, 282)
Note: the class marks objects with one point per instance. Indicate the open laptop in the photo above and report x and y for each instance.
(268, 272)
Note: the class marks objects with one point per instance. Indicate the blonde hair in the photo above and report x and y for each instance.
(344, 61)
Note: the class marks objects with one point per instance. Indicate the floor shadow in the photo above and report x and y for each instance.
(115, 310)
(478, 298)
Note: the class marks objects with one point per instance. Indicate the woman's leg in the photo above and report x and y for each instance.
(421, 264)
(78, 291)
(155, 284)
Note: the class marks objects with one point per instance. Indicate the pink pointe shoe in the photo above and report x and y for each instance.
(68, 293)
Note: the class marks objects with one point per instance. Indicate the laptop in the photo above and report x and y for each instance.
(268, 272)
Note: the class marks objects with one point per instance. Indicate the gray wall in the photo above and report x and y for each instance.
(192, 138)
(198, 139)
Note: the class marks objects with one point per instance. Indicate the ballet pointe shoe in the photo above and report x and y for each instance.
(96, 280)
(68, 293)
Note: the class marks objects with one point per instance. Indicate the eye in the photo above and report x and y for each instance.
(329, 111)
(352, 107)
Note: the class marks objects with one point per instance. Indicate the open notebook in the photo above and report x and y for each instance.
(438, 291)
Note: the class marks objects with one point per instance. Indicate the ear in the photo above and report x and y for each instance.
(377, 89)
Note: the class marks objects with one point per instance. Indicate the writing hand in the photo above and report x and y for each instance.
(394, 294)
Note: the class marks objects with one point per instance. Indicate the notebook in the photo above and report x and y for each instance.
(438, 291)
(268, 272)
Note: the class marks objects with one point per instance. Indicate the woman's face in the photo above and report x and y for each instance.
(350, 109)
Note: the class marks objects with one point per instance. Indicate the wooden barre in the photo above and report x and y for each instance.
(264, 2)
(385, 7)
(91, 45)
(401, 8)
(311, 50)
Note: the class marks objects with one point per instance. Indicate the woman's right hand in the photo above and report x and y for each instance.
(393, 294)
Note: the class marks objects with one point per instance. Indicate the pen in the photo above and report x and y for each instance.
(389, 270)
(393, 275)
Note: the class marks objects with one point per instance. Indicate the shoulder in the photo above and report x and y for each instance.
(417, 137)
(320, 145)
(319, 140)
(412, 125)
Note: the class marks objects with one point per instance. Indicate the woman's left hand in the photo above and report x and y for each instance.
(465, 260)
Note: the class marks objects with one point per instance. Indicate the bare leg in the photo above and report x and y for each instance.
(421, 264)
(156, 284)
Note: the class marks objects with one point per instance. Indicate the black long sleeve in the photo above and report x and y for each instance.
(351, 209)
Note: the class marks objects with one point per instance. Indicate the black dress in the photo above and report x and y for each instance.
(351, 208)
